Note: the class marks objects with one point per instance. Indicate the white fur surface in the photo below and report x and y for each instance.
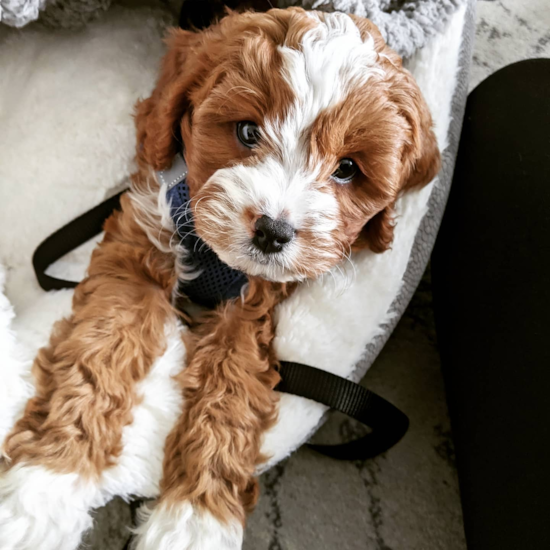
(67, 142)
(269, 188)
(333, 59)
(68, 138)
(184, 527)
(15, 383)
(43, 510)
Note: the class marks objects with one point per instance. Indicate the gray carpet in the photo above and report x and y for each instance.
(407, 499)
(508, 31)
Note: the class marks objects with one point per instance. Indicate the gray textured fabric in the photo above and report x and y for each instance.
(405, 25)
(17, 13)
(54, 13)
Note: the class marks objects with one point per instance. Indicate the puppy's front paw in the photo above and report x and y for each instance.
(41, 509)
(185, 527)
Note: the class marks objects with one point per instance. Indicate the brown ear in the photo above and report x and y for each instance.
(421, 159)
(377, 234)
(421, 164)
(158, 117)
(421, 156)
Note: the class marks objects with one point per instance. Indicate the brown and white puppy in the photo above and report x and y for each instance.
(300, 130)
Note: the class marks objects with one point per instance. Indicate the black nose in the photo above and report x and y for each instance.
(272, 235)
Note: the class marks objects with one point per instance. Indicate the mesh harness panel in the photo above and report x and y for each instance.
(216, 281)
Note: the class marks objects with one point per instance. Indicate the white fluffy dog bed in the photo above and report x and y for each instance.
(67, 143)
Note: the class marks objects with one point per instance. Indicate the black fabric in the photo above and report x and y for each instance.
(199, 14)
(491, 284)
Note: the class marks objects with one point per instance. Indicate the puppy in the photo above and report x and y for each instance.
(299, 132)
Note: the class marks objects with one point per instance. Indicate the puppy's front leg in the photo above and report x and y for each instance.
(211, 456)
(71, 431)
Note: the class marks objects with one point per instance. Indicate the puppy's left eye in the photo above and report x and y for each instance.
(248, 133)
(346, 171)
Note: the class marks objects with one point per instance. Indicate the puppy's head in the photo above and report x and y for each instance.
(300, 130)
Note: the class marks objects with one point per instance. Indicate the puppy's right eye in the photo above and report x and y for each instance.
(345, 172)
(248, 133)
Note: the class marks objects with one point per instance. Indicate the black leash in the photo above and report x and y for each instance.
(387, 422)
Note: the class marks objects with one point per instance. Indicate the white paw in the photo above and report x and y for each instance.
(41, 509)
(184, 527)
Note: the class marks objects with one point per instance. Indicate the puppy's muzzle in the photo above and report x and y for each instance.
(271, 235)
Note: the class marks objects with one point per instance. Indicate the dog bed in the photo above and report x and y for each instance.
(67, 143)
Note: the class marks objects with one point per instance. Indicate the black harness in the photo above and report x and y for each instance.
(387, 422)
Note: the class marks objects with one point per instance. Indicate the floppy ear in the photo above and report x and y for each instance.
(420, 160)
(421, 156)
(377, 235)
(421, 163)
(158, 117)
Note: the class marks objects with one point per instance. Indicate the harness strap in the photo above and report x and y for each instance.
(69, 237)
(387, 422)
